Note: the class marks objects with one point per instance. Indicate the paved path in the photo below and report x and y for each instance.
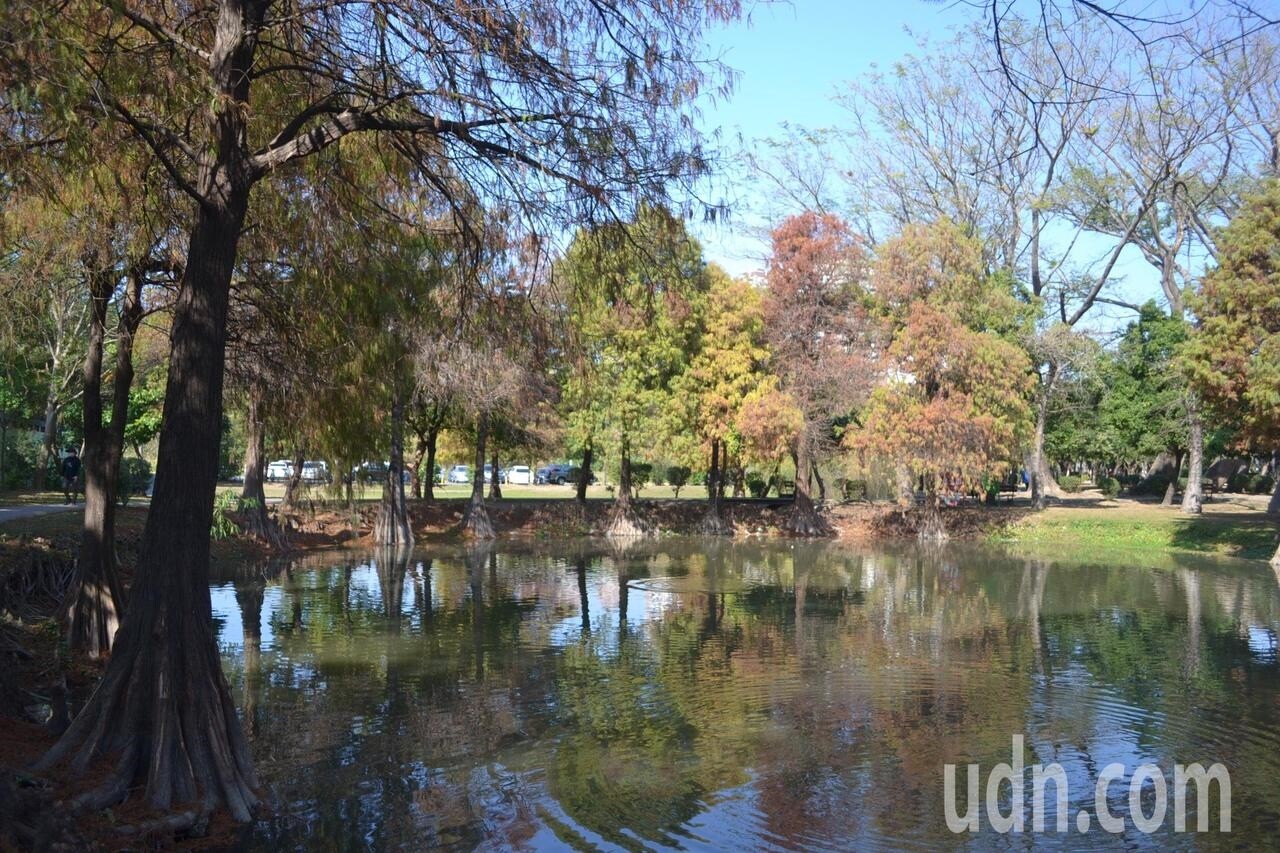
(13, 513)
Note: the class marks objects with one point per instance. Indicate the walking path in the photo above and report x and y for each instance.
(13, 513)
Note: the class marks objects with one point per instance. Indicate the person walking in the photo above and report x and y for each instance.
(70, 476)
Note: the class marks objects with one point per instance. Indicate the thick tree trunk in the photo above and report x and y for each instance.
(475, 521)
(253, 497)
(804, 519)
(584, 475)
(495, 487)
(392, 529)
(1273, 505)
(1043, 484)
(931, 529)
(1192, 497)
(713, 523)
(163, 708)
(94, 602)
(1172, 488)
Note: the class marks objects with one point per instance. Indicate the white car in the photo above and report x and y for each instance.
(315, 471)
(460, 474)
(520, 475)
(281, 469)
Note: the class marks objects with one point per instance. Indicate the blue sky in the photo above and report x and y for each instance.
(791, 59)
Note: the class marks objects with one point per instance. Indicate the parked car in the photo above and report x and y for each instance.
(460, 474)
(556, 473)
(281, 469)
(519, 475)
(316, 471)
(488, 474)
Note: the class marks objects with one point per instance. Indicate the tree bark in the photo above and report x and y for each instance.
(623, 522)
(495, 487)
(429, 487)
(1193, 496)
(293, 486)
(392, 528)
(1273, 505)
(47, 443)
(163, 707)
(475, 521)
(415, 466)
(584, 475)
(1172, 489)
(931, 529)
(804, 519)
(713, 523)
(253, 497)
(94, 601)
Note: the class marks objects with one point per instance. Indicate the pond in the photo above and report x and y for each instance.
(710, 695)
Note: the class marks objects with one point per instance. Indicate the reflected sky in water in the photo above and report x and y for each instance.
(703, 695)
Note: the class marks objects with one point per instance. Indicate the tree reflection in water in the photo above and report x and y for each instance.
(729, 693)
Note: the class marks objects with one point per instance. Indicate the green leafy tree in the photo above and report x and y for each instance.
(1143, 411)
(634, 297)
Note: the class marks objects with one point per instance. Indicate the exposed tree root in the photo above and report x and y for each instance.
(476, 523)
(714, 523)
(805, 519)
(931, 528)
(164, 711)
(624, 523)
(257, 524)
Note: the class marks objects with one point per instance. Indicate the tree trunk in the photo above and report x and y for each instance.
(47, 451)
(1273, 505)
(584, 476)
(931, 529)
(253, 497)
(415, 466)
(495, 487)
(623, 522)
(429, 487)
(1043, 484)
(392, 528)
(293, 486)
(804, 519)
(1192, 497)
(713, 523)
(1172, 489)
(94, 602)
(475, 521)
(163, 708)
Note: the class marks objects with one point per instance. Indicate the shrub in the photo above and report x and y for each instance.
(641, 475)
(224, 526)
(1260, 484)
(678, 476)
(658, 476)
(135, 473)
(757, 486)
(1071, 483)
(1110, 486)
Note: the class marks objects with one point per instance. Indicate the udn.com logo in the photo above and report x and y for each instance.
(1146, 808)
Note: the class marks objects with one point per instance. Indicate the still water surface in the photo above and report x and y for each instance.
(707, 695)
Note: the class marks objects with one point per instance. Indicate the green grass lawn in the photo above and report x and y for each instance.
(1219, 530)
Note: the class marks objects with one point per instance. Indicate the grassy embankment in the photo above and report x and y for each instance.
(1229, 526)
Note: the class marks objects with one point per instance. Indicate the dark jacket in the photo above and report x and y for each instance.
(71, 467)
